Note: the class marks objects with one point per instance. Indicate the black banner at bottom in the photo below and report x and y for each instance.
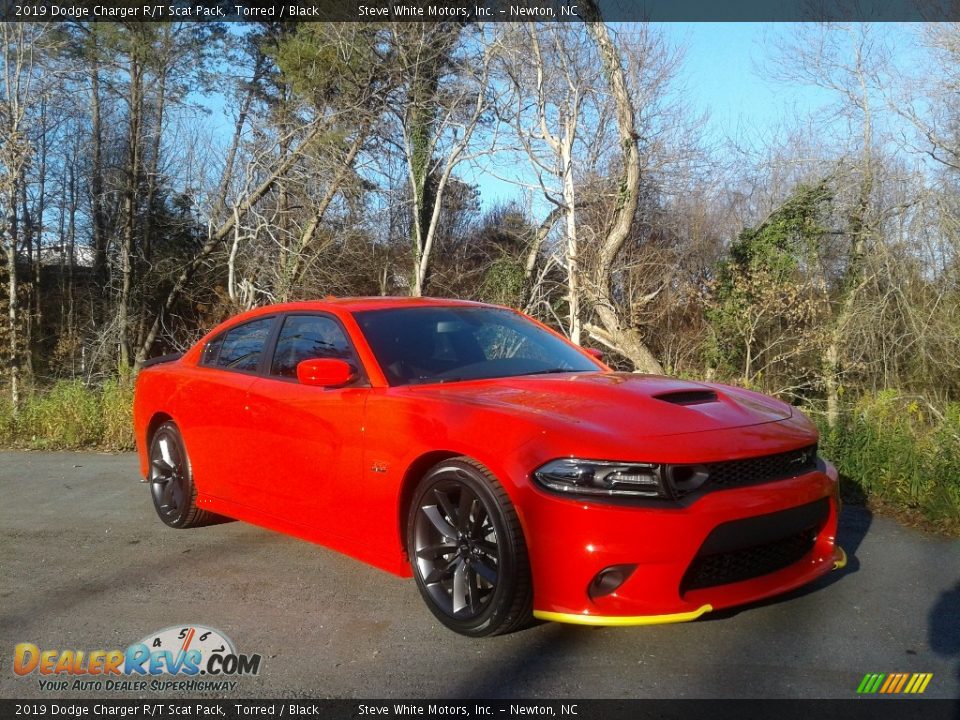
(873, 708)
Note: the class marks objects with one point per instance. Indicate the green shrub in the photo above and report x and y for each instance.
(503, 282)
(901, 451)
(70, 415)
(7, 429)
(116, 412)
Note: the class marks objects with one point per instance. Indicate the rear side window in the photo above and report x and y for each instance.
(305, 337)
(242, 347)
(211, 351)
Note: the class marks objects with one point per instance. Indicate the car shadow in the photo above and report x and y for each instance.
(546, 650)
(943, 630)
(855, 522)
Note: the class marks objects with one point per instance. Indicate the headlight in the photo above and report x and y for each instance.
(604, 478)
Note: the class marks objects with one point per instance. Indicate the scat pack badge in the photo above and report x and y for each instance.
(188, 651)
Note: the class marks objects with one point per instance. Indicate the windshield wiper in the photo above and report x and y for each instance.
(547, 372)
(442, 380)
(438, 380)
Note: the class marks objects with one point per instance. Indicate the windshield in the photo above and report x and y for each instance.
(447, 344)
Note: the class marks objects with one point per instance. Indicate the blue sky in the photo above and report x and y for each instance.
(724, 75)
(722, 70)
(721, 75)
(725, 71)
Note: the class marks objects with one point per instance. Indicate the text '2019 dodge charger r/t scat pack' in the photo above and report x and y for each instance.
(510, 472)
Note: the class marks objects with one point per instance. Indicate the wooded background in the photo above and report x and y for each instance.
(821, 266)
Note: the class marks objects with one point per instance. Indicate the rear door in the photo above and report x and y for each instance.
(310, 439)
(215, 417)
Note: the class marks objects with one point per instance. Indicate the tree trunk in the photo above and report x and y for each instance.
(64, 196)
(616, 333)
(71, 262)
(859, 233)
(130, 208)
(26, 367)
(572, 249)
(96, 178)
(14, 157)
(37, 315)
(13, 240)
(532, 284)
(12, 318)
(421, 156)
(152, 178)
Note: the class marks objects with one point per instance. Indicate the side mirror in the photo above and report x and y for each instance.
(594, 353)
(324, 372)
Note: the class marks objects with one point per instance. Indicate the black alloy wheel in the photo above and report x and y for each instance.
(171, 481)
(467, 550)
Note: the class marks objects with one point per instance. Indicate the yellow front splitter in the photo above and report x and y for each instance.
(621, 620)
(839, 561)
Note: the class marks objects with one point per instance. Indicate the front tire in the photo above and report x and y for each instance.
(467, 551)
(171, 481)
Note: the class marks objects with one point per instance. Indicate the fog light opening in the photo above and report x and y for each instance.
(608, 580)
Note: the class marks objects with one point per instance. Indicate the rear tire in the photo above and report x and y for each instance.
(467, 551)
(171, 481)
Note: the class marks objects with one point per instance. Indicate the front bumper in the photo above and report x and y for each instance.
(570, 542)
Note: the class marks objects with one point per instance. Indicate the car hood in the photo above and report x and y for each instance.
(649, 405)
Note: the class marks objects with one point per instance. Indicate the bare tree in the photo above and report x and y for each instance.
(552, 75)
(441, 101)
(848, 61)
(21, 42)
(218, 235)
(614, 332)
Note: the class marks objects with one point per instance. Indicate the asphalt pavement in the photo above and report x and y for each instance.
(85, 564)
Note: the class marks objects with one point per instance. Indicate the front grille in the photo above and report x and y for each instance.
(751, 471)
(745, 549)
(748, 563)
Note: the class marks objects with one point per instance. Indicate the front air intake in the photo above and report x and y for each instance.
(745, 549)
(688, 397)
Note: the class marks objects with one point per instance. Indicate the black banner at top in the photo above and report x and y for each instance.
(479, 10)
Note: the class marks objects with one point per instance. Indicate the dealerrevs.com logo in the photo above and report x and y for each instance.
(201, 658)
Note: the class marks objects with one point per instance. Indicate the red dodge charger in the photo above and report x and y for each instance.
(510, 472)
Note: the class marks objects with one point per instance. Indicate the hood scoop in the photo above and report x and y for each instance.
(688, 397)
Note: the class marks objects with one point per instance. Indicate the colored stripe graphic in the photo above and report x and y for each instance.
(927, 677)
(894, 683)
(870, 683)
(891, 681)
(901, 682)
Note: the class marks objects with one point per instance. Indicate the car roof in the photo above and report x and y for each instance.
(330, 304)
(375, 303)
(350, 305)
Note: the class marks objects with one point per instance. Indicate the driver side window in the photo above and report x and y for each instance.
(305, 337)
